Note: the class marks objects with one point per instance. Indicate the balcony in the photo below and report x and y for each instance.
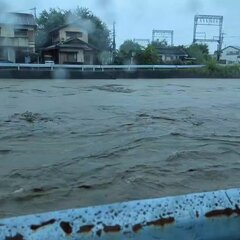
(14, 42)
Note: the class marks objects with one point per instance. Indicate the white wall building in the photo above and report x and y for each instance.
(17, 37)
(230, 55)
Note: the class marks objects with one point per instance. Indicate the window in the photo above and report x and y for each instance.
(233, 53)
(69, 57)
(20, 32)
(74, 34)
(55, 37)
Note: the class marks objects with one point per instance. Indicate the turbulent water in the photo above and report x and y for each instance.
(68, 144)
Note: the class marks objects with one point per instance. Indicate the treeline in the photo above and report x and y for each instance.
(131, 52)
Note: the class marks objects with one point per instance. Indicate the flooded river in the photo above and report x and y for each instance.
(68, 144)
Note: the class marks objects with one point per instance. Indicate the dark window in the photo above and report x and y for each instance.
(72, 57)
(20, 32)
(74, 34)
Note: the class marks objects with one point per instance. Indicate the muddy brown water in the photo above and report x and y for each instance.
(68, 143)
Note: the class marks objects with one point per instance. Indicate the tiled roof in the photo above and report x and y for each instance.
(24, 19)
(77, 22)
(74, 43)
(172, 51)
(236, 47)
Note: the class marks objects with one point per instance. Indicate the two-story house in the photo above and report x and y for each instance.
(17, 37)
(69, 45)
(230, 55)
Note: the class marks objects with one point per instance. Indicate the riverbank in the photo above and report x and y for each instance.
(210, 71)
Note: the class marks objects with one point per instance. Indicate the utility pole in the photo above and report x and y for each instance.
(114, 41)
(34, 12)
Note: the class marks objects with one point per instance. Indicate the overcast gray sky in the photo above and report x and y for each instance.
(137, 18)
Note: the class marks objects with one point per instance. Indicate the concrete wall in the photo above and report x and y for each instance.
(7, 31)
(8, 53)
(63, 36)
(111, 74)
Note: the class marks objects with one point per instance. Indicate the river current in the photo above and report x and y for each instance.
(69, 143)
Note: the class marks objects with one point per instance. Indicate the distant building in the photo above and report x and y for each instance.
(17, 37)
(172, 54)
(69, 45)
(230, 55)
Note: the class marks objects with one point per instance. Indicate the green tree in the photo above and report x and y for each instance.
(53, 18)
(99, 34)
(47, 21)
(149, 56)
(200, 52)
(128, 52)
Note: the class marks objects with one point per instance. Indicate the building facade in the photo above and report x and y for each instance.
(69, 45)
(230, 55)
(17, 37)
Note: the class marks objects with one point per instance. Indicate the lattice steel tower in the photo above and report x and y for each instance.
(163, 35)
(209, 21)
(142, 41)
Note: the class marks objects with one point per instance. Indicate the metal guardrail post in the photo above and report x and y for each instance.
(52, 66)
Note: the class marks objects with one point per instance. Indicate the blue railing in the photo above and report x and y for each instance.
(204, 216)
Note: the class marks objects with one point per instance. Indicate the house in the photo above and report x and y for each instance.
(68, 44)
(230, 55)
(172, 54)
(17, 37)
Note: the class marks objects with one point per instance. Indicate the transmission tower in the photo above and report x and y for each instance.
(163, 35)
(205, 21)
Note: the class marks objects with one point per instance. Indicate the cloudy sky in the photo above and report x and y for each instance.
(137, 18)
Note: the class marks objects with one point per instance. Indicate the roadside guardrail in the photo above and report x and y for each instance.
(92, 68)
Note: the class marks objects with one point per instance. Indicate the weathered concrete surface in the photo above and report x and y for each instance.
(110, 74)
